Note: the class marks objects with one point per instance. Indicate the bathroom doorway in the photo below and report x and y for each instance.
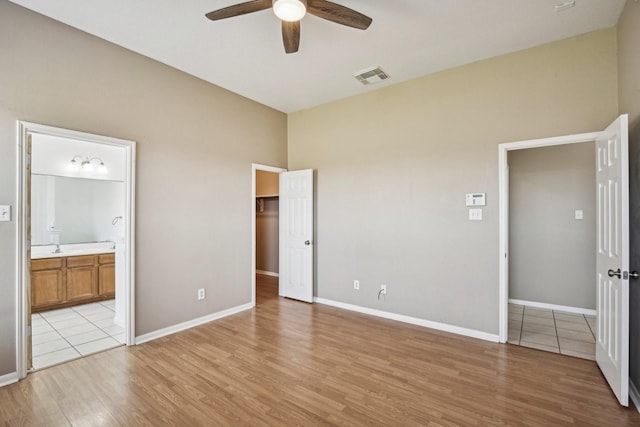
(612, 260)
(552, 241)
(76, 245)
(265, 235)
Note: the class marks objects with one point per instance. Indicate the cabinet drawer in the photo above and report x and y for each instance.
(77, 261)
(106, 259)
(46, 264)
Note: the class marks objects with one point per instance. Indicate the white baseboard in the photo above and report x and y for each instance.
(267, 273)
(8, 379)
(566, 308)
(412, 320)
(191, 323)
(634, 395)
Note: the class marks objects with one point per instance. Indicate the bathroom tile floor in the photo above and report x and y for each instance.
(69, 333)
(551, 330)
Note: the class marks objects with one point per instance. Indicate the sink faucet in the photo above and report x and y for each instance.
(57, 251)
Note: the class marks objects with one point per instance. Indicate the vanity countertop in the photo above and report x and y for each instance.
(48, 251)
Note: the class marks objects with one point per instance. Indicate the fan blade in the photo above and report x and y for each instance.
(338, 14)
(239, 9)
(291, 36)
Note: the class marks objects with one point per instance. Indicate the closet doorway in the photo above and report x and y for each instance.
(265, 235)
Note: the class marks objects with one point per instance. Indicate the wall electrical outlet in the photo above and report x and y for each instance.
(356, 284)
(383, 289)
(201, 293)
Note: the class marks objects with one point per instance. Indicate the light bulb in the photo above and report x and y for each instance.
(86, 165)
(290, 10)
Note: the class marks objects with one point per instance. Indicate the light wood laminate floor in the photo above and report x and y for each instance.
(291, 363)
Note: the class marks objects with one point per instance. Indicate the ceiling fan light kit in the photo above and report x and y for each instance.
(290, 10)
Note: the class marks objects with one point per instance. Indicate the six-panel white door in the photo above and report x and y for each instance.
(612, 259)
(296, 235)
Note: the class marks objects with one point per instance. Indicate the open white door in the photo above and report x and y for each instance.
(296, 235)
(612, 304)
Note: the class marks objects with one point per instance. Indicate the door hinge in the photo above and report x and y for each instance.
(29, 330)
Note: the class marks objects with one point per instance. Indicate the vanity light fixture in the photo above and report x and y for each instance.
(85, 163)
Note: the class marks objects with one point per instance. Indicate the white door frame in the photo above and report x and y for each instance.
(503, 200)
(25, 128)
(256, 167)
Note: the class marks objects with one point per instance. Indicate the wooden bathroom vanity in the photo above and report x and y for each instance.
(65, 281)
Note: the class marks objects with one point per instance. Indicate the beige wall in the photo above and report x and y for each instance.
(267, 183)
(194, 163)
(629, 95)
(551, 254)
(629, 62)
(393, 167)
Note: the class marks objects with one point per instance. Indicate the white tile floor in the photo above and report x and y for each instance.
(550, 330)
(69, 333)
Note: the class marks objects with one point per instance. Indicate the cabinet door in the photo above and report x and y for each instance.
(107, 280)
(46, 288)
(82, 283)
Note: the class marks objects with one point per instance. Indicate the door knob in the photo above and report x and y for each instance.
(306, 242)
(616, 273)
(634, 275)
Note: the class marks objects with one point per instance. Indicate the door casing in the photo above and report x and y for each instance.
(22, 267)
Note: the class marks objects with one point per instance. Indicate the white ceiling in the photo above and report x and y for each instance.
(408, 39)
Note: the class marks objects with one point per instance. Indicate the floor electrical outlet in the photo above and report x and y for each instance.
(201, 293)
(383, 289)
(356, 284)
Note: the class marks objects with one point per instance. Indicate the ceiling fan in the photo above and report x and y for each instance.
(291, 12)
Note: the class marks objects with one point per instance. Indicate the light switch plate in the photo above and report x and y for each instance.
(5, 213)
(579, 214)
(475, 214)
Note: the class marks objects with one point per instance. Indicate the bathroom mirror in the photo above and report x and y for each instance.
(74, 210)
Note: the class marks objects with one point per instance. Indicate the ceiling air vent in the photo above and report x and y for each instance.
(561, 7)
(371, 75)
